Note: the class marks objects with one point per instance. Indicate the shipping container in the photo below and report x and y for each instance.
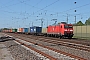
(35, 29)
(44, 30)
(25, 30)
(14, 30)
(20, 29)
(10, 30)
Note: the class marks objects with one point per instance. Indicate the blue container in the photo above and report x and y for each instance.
(25, 30)
(35, 29)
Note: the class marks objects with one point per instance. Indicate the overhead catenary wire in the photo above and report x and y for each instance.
(74, 8)
(13, 4)
(46, 7)
(5, 3)
(13, 12)
(57, 12)
(38, 2)
(42, 9)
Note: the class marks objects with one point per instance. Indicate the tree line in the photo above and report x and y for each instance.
(80, 23)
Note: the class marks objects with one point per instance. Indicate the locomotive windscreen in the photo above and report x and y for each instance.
(68, 26)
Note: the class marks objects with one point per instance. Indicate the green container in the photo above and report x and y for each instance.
(14, 30)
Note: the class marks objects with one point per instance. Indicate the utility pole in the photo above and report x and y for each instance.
(47, 23)
(75, 15)
(32, 24)
(29, 24)
(67, 18)
(75, 19)
(41, 21)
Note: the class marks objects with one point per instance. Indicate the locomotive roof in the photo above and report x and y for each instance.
(63, 23)
(58, 24)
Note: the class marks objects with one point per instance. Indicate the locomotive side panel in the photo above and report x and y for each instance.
(60, 30)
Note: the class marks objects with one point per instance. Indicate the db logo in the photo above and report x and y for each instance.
(53, 29)
(68, 30)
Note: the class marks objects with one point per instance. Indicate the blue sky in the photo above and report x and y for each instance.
(22, 13)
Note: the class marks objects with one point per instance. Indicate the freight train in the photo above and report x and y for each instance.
(62, 30)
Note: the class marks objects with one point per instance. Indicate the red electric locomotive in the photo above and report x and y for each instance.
(62, 30)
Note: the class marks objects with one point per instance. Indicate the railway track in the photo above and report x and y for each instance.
(48, 40)
(76, 45)
(42, 53)
(48, 52)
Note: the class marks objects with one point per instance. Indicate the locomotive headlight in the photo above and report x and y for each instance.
(71, 30)
(65, 30)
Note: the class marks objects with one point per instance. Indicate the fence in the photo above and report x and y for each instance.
(82, 31)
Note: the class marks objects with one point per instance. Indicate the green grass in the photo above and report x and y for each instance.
(84, 38)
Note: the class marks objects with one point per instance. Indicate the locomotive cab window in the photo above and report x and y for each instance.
(65, 26)
(68, 26)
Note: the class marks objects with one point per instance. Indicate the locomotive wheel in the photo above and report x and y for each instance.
(60, 37)
(70, 37)
(57, 36)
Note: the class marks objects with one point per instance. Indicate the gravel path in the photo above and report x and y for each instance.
(9, 50)
(20, 53)
(4, 53)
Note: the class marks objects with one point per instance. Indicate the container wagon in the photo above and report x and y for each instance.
(25, 30)
(20, 30)
(14, 30)
(35, 30)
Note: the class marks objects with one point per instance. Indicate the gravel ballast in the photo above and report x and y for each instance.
(20, 53)
(77, 52)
